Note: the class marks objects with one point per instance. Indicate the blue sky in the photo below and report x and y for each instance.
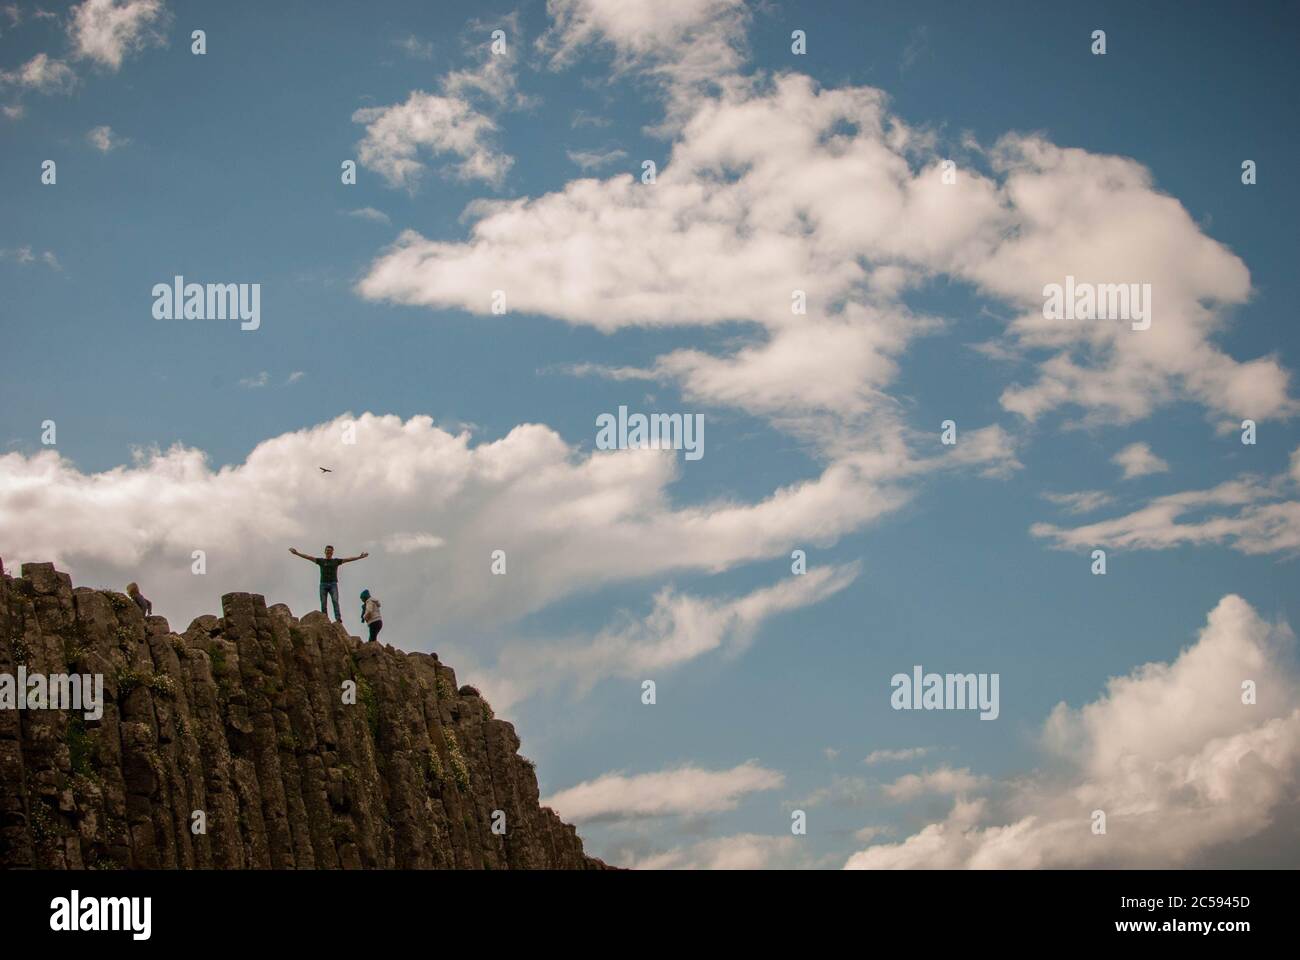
(226, 168)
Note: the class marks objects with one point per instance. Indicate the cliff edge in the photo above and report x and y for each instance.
(241, 725)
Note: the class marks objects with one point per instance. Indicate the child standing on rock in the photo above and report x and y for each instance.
(370, 614)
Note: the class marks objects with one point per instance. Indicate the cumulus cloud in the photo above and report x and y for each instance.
(494, 81)
(41, 74)
(684, 791)
(774, 185)
(944, 780)
(567, 520)
(103, 139)
(1252, 515)
(690, 252)
(1138, 460)
(1180, 765)
(647, 37)
(785, 187)
(451, 122)
(1101, 219)
(686, 47)
(611, 254)
(103, 31)
(108, 31)
(442, 125)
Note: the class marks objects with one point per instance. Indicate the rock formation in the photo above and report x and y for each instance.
(243, 717)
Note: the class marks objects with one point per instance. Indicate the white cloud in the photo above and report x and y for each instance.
(685, 791)
(371, 214)
(789, 187)
(680, 628)
(258, 380)
(1138, 460)
(295, 376)
(647, 35)
(412, 542)
(1081, 501)
(891, 756)
(442, 125)
(108, 31)
(42, 75)
(918, 42)
(611, 254)
(493, 81)
(568, 521)
(1251, 515)
(840, 792)
(104, 139)
(744, 851)
(413, 46)
(595, 159)
(451, 122)
(944, 780)
(104, 31)
(867, 834)
(25, 255)
(1181, 766)
(1101, 220)
(686, 46)
(585, 118)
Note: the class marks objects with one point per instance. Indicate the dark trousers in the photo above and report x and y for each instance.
(375, 627)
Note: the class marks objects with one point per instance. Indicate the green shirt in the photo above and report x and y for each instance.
(329, 568)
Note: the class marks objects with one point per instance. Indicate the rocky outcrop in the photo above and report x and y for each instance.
(242, 725)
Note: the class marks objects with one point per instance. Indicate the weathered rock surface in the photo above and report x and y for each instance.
(243, 717)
